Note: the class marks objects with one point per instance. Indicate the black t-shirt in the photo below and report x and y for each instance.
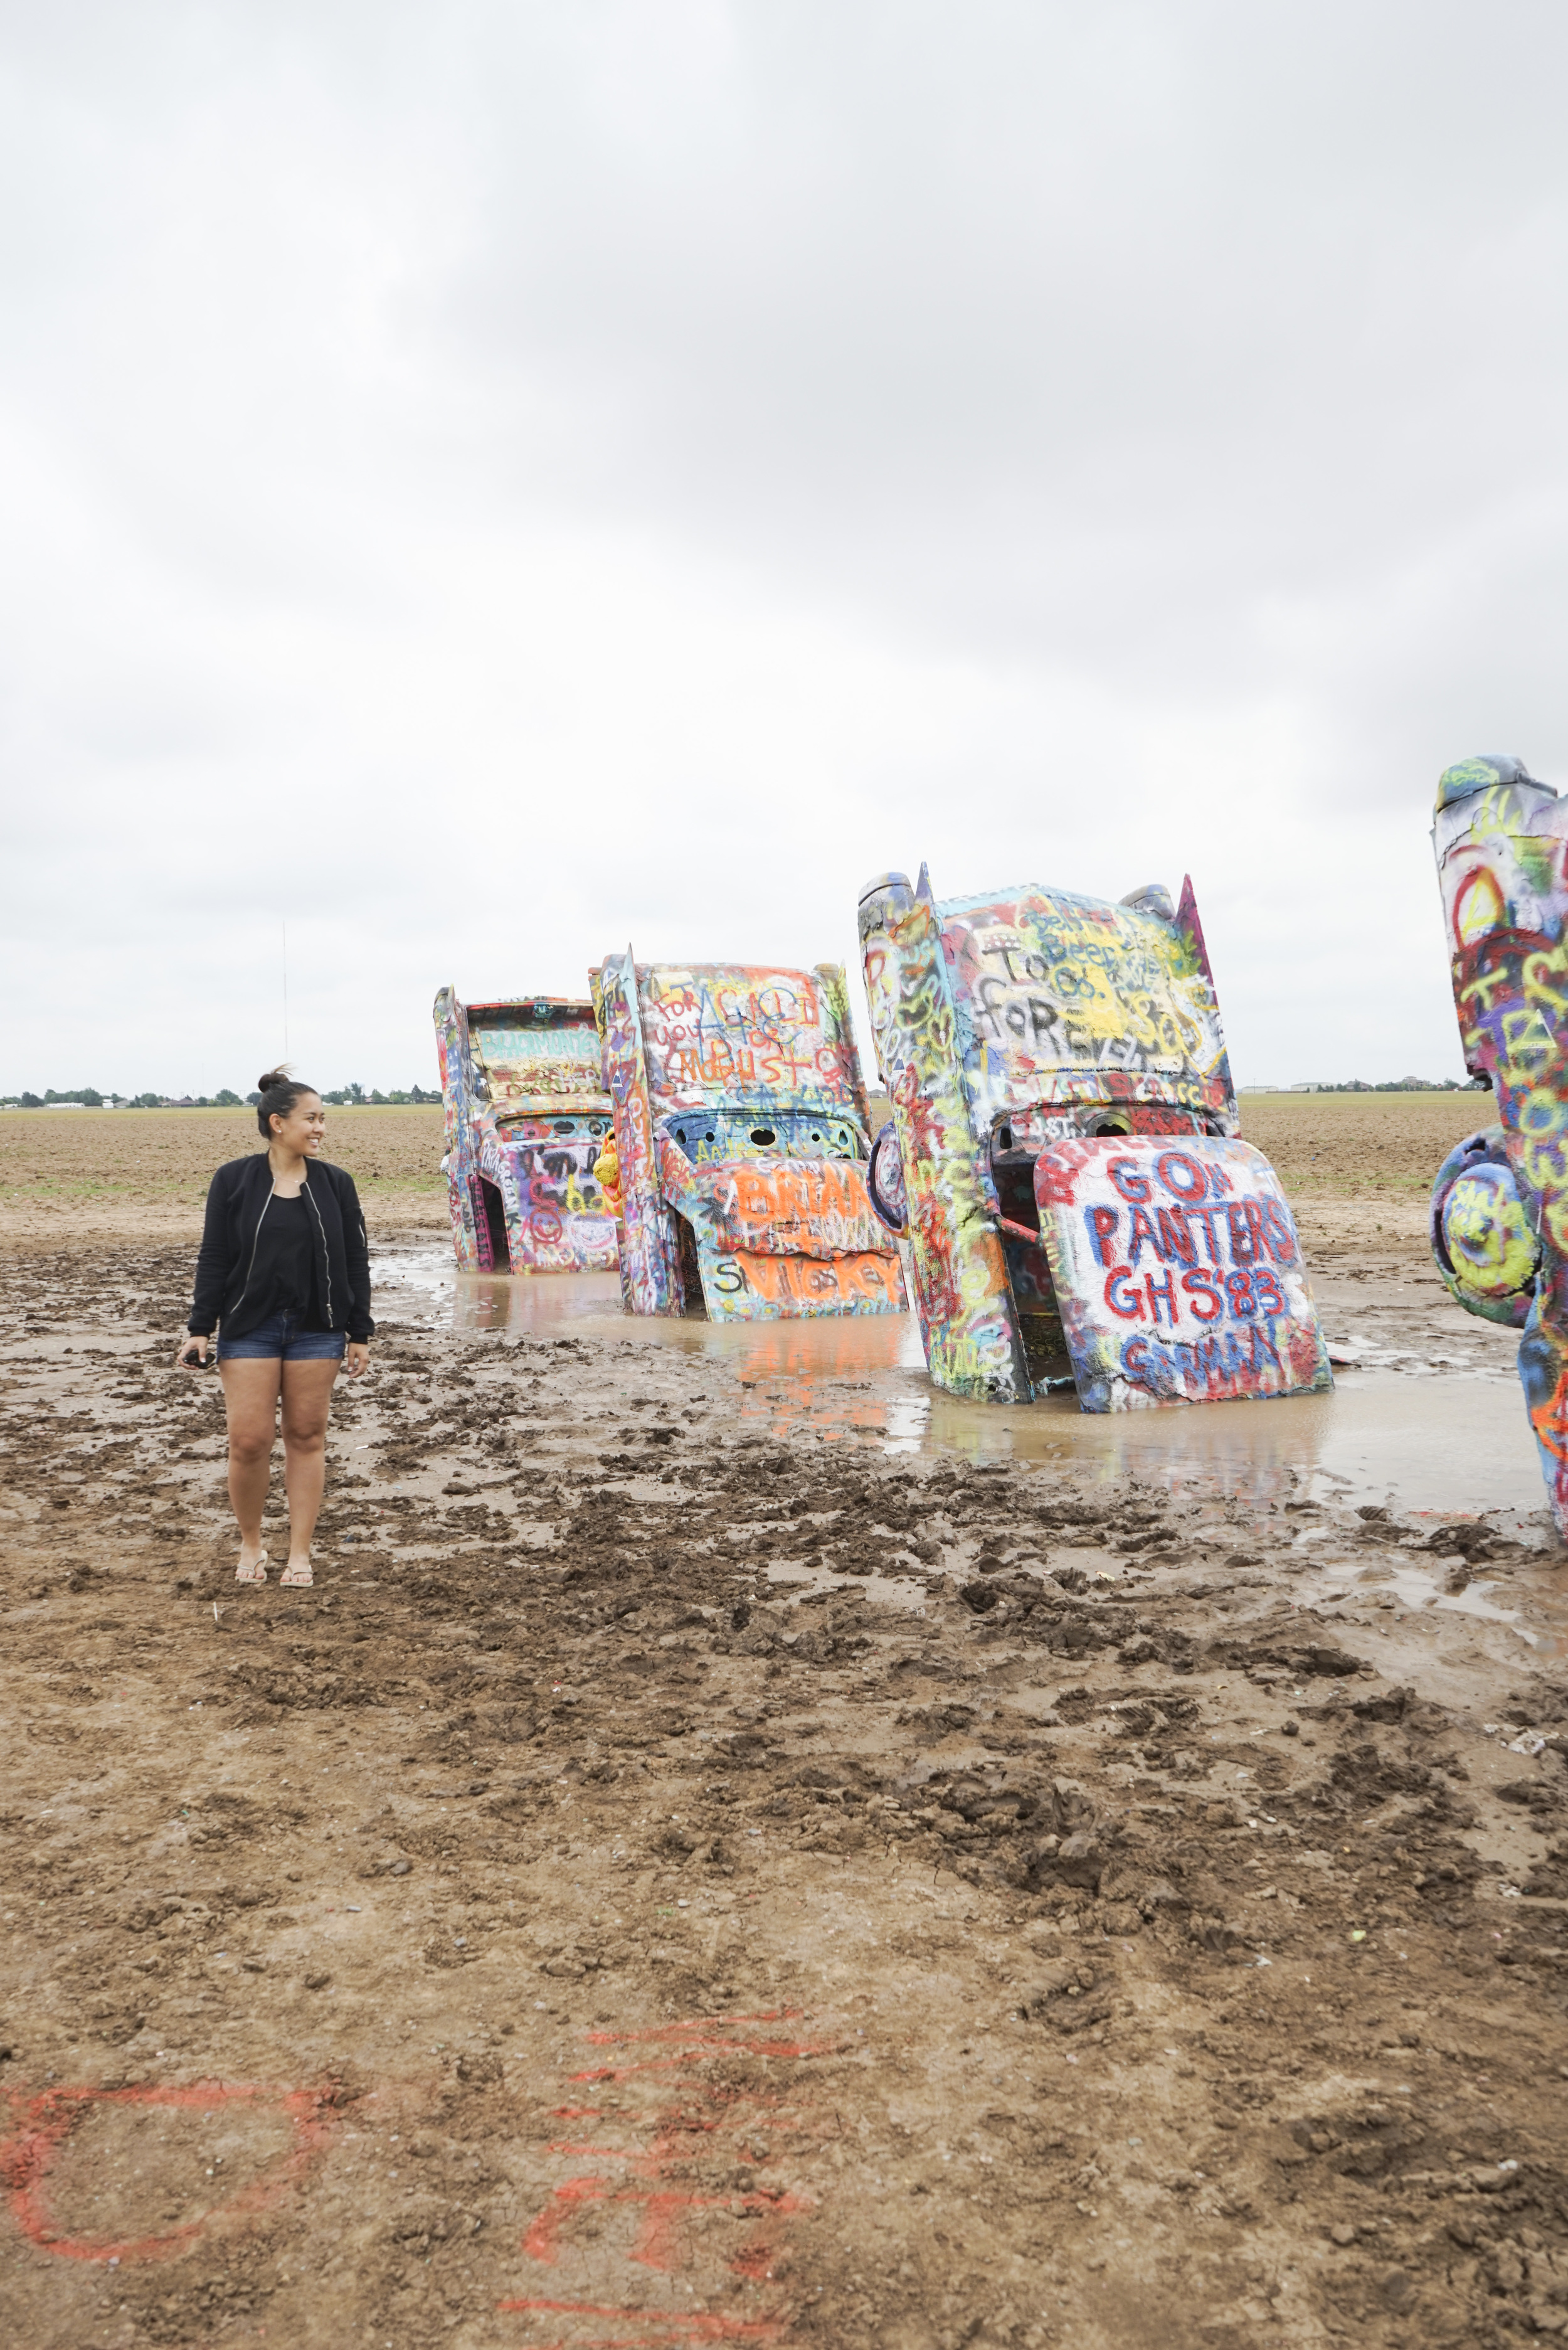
(284, 1273)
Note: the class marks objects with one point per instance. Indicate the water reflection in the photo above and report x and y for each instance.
(1454, 1443)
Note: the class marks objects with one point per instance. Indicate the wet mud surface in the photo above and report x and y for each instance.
(1380, 1298)
(688, 1876)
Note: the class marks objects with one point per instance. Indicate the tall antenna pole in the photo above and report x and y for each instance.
(286, 990)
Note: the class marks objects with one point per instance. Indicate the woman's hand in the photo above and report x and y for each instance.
(192, 1354)
(358, 1358)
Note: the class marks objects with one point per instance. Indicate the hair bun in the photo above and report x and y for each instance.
(270, 1078)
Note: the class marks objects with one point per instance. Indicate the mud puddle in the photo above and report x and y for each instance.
(1403, 1429)
(1426, 1450)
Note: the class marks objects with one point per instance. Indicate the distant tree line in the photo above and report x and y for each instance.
(89, 1098)
(1397, 1085)
(355, 1098)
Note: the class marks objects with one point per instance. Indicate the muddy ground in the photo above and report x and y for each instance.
(674, 1884)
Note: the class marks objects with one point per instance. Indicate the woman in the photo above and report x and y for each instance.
(284, 1273)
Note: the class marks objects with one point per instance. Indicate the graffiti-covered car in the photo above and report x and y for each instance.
(526, 1118)
(1499, 1205)
(740, 1142)
(1063, 1163)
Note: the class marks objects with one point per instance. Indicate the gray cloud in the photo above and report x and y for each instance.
(496, 480)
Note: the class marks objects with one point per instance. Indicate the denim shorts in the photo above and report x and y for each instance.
(280, 1339)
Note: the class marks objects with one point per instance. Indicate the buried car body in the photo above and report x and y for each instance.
(527, 1119)
(1499, 1205)
(1063, 1164)
(741, 1139)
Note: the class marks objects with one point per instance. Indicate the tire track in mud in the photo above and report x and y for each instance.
(709, 1887)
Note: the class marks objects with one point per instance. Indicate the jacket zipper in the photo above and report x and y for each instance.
(325, 1251)
(255, 1243)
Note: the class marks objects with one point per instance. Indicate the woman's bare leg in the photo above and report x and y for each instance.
(250, 1387)
(307, 1399)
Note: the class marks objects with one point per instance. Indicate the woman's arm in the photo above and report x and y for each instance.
(213, 1263)
(356, 1249)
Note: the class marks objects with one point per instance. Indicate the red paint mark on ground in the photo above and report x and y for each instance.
(46, 2122)
(655, 2245)
(707, 2120)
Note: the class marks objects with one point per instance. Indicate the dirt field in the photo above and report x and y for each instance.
(1360, 1145)
(673, 1886)
(73, 1176)
(145, 1172)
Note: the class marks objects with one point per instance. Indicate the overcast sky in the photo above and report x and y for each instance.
(486, 483)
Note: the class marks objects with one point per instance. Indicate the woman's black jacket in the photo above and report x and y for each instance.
(237, 1202)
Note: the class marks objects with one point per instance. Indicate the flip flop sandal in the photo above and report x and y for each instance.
(256, 1574)
(296, 1578)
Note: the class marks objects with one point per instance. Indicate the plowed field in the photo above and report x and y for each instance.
(81, 1178)
(1361, 1145)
